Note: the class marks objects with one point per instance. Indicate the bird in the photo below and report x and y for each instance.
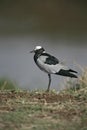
(51, 65)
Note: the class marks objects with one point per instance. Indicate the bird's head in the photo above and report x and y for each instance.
(38, 49)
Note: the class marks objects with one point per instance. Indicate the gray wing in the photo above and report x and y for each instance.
(49, 59)
(48, 65)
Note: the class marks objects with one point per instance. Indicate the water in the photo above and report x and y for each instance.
(63, 26)
(17, 63)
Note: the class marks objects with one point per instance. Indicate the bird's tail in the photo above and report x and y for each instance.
(68, 73)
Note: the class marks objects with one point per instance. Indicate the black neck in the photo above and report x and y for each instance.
(38, 53)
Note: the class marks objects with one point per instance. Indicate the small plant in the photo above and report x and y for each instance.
(6, 84)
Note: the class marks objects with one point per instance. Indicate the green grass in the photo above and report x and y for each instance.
(6, 84)
(35, 110)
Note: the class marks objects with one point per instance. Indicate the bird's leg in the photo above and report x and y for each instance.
(49, 75)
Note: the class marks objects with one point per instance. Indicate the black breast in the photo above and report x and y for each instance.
(35, 58)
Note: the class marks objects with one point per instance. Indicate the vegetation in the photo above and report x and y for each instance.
(6, 84)
(38, 110)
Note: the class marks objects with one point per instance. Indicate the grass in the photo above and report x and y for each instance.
(38, 110)
(6, 84)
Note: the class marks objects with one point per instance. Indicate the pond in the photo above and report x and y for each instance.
(17, 63)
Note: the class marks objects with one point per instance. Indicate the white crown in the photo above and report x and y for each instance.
(38, 47)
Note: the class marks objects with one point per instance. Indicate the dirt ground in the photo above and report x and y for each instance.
(24, 110)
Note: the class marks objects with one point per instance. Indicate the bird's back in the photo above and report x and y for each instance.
(48, 63)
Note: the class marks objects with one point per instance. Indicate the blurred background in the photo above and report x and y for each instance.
(60, 26)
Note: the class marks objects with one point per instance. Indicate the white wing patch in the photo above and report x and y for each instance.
(42, 58)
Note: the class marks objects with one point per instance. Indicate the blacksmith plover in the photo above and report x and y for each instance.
(51, 64)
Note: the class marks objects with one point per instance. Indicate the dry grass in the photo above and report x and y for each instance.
(25, 110)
